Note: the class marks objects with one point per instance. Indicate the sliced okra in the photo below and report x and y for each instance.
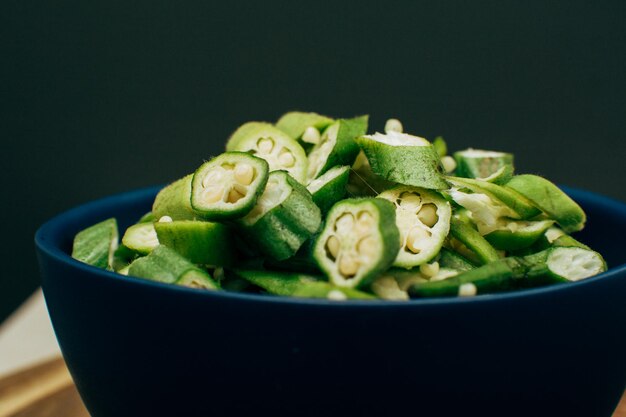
(278, 283)
(423, 219)
(96, 244)
(567, 264)
(166, 265)
(359, 241)
(204, 243)
(283, 218)
(452, 260)
(404, 158)
(395, 282)
(330, 187)
(140, 238)
(337, 146)
(304, 126)
(362, 181)
(227, 187)
(174, 201)
(440, 146)
(517, 234)
(331, 292)
(147, 218)
(273, 145)
(491, 166)
(551, 200)
(468, 236)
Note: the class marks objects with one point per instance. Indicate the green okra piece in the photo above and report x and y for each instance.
(491, 166)
(274, 282)
(326, 290)
(423, 219)
(466, 234)
(140, 238)
(521, 206)
(330, 187)
(174, 201)
(404, 158)
(440, 146)
(337, 146)
(166, 265)
(147, 218)
(360, 240)
(204, 243)
(551, 200)
(273, 145)
(518, 234)
(362, 181)
(301, 261)
(297, 123)
(96, 244)
(284, 217)
(227, 186)
(452, 260)
(563, 264)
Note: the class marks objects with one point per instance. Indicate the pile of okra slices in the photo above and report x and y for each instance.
(315, 207)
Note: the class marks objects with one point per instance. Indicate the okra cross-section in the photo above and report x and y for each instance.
(283, 218)
(227, 186)
(423, 218)
(360, 240)
(486, 165)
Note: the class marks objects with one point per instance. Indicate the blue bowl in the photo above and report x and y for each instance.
(137, 347)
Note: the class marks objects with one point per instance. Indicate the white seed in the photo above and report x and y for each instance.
(213, 194)
(165, 219)
(244, 174)
(348, 265)
(413, 240)
(286, 159)
(365, 223)
(410, 200)
(387, 288)
(311, 135)
(265, 145)
(234, 196)
(428, 215)
(367, 247)
(336, 295)
(449, 164)
(332, 245)
(345, 223)
(393, 125)
(212, 177)
(430, 270)
(467, 290)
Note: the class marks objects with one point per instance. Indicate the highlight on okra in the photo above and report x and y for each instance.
(316, 207)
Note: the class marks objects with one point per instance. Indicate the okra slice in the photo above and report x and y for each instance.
(174, 201)
(362, 181)
(283, 218)
(166, 265)
(360, 240)
(451, 260)
(440, 146)
(141, 238)
(278, 283)
(518, 234)
(304, 126)
(330, 187)
(395, 282)
(204, 243)
(566, 264)
(337, 146)
(491, 166)
(423, 219)
(404, 158)
(470, 237)
(522, 207)
(147, 218)
(326, 290)
(96, 244)
(273, 145)
(227, 186)
(551, 200)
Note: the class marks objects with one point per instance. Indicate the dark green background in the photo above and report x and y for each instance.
(102, 97)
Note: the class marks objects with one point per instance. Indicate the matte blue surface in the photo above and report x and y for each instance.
(137, 347)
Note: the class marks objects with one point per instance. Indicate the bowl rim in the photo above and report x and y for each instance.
(48, 246)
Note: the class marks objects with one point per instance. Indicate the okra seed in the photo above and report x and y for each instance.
(430, 270)
(345, 223)
(265, 145)
(336, 295)
(348, 265)
(467, 290)
(410, 200)
(393, 125)
(332, 246)
(413, 239)
(213, 194)
(367, 247)
(364, 223)
(286, 159)
(165, 219)
(428, 215)
(449, 164)
(212, 177)
(244, 174)
(311, 135)
(234, 196)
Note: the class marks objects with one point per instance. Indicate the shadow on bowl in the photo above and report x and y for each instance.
(136, 347)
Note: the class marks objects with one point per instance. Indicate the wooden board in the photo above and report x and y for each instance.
(47, 390)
